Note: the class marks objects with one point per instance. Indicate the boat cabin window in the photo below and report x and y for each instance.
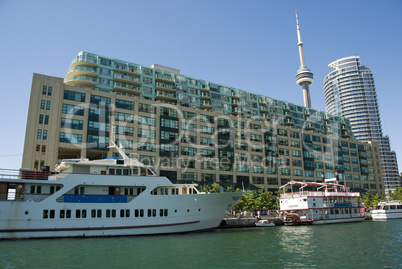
(399, 207)
(143, 171)
(392, 207)
(36, 189)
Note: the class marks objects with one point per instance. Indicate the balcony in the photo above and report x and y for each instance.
(166, 87)
(126, 88)
(204, 88)
(235, 95)
(289, 122)
(130, 70)
(328, 129)
(287, 115)
(236, 111)
(206, 105)
(164, 78)
(123, 78)
(263, 109)
(81, 81)
(265, 116)
(82, 70)
(205, 96)
(84, 60)
(309, 127)
(235, 103)
(345, 134)
(262, 102)
(161, 95)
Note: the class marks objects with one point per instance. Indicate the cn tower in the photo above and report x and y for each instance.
(303, 77)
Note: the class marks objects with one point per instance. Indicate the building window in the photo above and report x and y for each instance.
(72, 124)
(144, 146)
(49, 91)
(47, 105)
(39, 136)
(44, 134)
(74, 96)
(188, 151)
(146, 121)
(316, 138)
(282, 132)
(124, 104)
(309, 173)
(70, 138)
(42, 104)
(71, 109)
(44, 90)
(190, 176)
(146, 133)
(40, 119)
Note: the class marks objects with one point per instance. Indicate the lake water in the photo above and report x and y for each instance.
(367, 244)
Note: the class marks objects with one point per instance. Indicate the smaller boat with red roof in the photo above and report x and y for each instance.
(319, 203)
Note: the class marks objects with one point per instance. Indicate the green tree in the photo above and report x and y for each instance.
(215, 188)
(396, 194)
(264, 199)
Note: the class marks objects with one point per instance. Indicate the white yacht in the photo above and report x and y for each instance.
(387, 210)
(319, 203)
(109, 197)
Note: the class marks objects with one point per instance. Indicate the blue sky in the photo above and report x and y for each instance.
(250, 45)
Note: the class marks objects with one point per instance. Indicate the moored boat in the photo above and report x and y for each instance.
(264, 223)
(319, 203)
(387, 210)
(109, 197)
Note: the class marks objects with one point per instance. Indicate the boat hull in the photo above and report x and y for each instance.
(143, 215)
(385, 215)
(333, 221)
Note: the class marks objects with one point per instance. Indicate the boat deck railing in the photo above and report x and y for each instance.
(318, 193)
(10, 174)
(15, 174)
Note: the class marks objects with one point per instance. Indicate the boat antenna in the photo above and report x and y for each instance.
(112, 144)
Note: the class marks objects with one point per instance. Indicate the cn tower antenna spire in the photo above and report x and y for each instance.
(300, 44)
(303, 77)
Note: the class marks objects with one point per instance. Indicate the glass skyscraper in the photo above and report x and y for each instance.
(350, 92)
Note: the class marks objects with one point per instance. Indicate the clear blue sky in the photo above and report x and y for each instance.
(250, 45)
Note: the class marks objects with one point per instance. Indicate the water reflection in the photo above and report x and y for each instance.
(296, 240)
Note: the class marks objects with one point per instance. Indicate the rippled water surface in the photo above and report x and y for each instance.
(351, 245)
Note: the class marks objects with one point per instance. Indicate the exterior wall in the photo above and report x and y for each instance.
(350, 92)
(173, 138)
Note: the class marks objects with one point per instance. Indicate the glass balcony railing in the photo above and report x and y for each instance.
(166, 94)
(84, 59)
(126, 86)
(137, 80)
(81, 80)
(164, 77)
(81, 70)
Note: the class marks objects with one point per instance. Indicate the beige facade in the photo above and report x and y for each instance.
(187, 144)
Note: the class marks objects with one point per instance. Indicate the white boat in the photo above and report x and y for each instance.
(264, 223)
(109, 197)
(387, 210)
(319, 203)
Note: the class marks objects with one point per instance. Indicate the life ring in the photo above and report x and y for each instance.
(19, 186)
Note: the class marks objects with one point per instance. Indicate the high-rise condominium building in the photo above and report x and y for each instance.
(350, 92)
(190, 129)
